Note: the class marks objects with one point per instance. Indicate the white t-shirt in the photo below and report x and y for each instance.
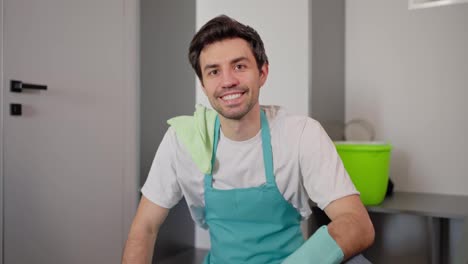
(306, 165)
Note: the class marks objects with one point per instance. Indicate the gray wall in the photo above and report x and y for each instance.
(326, 105)
(407, 73)
(167, 90)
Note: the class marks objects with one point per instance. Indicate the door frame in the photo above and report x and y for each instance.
(131, 119)
(1, 131)
(131, 179)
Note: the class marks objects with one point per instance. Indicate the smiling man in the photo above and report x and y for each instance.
(248, 171)
(231, 78)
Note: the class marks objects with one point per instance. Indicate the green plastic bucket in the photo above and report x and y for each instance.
(367, 163)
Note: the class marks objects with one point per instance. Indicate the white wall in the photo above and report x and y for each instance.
(407, 73)
(284, 28)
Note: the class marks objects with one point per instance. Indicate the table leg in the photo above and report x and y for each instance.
(444, 242)
(434, 231)
(439, 239)
(462, 254)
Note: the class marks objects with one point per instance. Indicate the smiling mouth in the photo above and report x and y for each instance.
(231, 97)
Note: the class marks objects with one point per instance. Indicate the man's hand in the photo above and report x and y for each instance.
(142, 237)
(351, 226)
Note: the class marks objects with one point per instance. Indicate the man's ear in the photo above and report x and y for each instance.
(264, 74)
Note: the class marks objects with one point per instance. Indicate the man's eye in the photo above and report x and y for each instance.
(240, 67)
(213, 72)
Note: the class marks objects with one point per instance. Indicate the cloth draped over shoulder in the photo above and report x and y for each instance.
(196, 133)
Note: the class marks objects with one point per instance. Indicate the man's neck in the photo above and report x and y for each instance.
(243, 129)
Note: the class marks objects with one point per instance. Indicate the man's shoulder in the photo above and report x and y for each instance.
(172, 142)
(278, 116)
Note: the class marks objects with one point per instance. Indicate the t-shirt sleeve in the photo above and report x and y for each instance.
(324, 176)
(161, 186)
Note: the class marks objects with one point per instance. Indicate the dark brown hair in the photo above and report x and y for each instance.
(220, 28)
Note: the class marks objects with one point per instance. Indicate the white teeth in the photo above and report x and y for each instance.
(231, 96)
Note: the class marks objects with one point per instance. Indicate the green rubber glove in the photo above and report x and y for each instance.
(319, 248)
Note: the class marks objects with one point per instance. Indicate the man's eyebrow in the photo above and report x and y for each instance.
(233, 61)
(210, 66)
(236, 60)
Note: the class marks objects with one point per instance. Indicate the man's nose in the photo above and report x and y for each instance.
(229, 79)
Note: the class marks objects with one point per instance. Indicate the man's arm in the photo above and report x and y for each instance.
(350, 225)
(143, 232)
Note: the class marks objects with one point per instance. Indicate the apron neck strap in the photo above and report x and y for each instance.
(266, 147)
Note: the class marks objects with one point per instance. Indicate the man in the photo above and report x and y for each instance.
(252, 185)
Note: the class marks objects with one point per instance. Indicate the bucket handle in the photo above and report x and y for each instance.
(362, 123)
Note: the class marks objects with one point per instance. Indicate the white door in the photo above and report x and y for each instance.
(69, 177)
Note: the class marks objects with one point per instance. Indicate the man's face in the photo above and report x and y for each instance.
(230, 77)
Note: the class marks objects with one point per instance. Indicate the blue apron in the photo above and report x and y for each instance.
(250, 225)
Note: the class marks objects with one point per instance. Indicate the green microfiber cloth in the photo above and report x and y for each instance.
(319, 248)
(196, 133)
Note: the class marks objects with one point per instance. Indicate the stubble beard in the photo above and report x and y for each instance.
(238, 115)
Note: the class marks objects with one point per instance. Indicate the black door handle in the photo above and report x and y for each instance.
(18, 86)
(16, 109)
